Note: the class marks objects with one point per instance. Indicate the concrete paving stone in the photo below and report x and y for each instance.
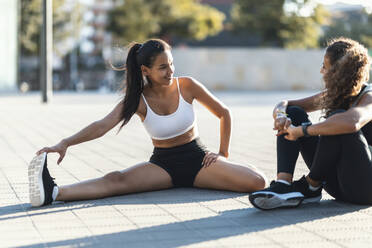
(100, 229)
(7, 226)
(182, 217)
(58, 225)
(101, 211)
(247, 239)
(220, 232)
(22, 242)
(251, 239)
(126, 237)
(363, 243)
(189, 242)
(194, 216)
(141, 244)
(298, 237)
(93, 218)
(209, 223)
(172, 234)
(152, 220)
(141, 210)
(305, 244)
(61, 233)
(344, 235)
(223, 205)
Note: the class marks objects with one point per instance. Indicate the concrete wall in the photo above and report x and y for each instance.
(251, 69)
(8, 45)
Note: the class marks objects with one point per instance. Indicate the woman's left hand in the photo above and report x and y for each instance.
(210, 158)
(293, 133)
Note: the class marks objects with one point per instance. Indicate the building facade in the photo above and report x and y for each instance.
(8, 45)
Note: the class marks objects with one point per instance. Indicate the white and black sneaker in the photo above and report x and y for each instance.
(282, 195)
(278, 195)
(310, 196)
(41, 184)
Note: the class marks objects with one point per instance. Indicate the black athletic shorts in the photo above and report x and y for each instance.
(181, 162)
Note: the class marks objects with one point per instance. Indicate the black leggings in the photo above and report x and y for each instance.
(342, 162)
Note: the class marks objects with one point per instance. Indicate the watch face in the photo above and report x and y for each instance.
(306, 123)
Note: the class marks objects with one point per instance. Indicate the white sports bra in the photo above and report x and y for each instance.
(161, 127)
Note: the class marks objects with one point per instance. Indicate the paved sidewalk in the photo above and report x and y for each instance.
(182, 217)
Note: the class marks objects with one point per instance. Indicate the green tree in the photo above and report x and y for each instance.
(141, 19)
(66, 24)
(277, 26)
(356, 25)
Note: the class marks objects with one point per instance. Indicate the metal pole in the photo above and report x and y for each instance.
(46, 52)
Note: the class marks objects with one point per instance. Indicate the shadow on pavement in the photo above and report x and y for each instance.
(226, 224)
(168, 196)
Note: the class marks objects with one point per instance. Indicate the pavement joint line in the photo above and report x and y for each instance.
(24, 210)
(215, 218)
(126, 217)
(86, 226)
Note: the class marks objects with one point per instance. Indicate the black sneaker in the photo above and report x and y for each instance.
(278, 195)
(41, 184)
(310, 196)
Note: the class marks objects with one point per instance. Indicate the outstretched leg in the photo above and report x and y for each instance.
(139, 178)
(225, 175)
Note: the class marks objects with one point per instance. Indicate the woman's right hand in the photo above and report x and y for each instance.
(281, 124)
(281, 121)
(60, 148)
(281, 107)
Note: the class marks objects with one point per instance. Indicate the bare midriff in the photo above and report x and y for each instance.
(176, 141)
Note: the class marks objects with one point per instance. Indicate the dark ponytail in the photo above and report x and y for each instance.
(134, 84)
(139, 54)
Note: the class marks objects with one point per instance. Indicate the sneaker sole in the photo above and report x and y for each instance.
(312, 199)
(35, 179)
(271, 200)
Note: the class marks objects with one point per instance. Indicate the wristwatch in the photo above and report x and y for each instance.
(305, 125)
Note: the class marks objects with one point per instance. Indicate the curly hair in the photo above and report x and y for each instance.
(350, 65)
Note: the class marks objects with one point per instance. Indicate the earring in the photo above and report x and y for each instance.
(145, 80)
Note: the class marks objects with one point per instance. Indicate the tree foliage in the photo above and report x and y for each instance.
(66, 24)
(276, 26)
(355, 25)
(141, 19)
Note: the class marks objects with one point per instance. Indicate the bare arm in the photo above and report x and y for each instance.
(202, 95)
(97, 128)
(349, 121)
(92, 131)
(309, 104)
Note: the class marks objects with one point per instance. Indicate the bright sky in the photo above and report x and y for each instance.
(309, 9)
(366, 3)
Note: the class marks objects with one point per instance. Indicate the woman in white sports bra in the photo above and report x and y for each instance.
(179, 159)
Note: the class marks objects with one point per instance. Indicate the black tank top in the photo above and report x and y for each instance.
(367, 129)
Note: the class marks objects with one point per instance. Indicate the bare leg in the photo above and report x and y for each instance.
(139, 178)
(226, 175)
(285, 176)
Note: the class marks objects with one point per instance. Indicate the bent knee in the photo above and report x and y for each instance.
(113, 179)
(253, 184)
(259, 183)
(115, 176)
(297, 115)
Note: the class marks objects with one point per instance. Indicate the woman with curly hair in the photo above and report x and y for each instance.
(337, 150)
